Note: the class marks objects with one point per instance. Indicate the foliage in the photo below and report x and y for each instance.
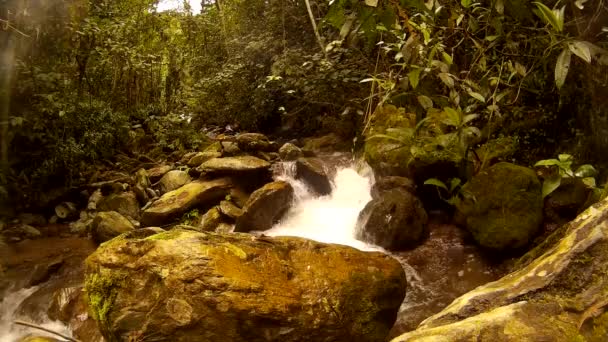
(452, 192)
(562, 168)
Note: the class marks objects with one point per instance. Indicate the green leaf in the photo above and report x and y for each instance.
(436, 182)
(425, 101)
(365, 80)
(447, 58)
(548, 162)
(477, 96)
(414, 77)
(454, 182)
(491, 38)
(586, 170)
(466, 3)
(398, 56)
(453, 116)
(551, 17)
(581, 49)
(589, 182)
(446, 79)
(550, 184)
(561, 67)
(469, 118)
(384, 136)
(565, 157)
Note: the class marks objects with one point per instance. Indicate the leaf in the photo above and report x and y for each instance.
(454, 182)
(547, 162)
(581, 49)
(447, 58)
(589, 182)
(372, 3)
(550, 16)
(466, 3)
(452, 116)
(500, 7)
(520, 69)
(398, 56)
(580, 4)
(436, 182)
(414, 77)
(469, 118)
(447, 79)
(492, 38)
(365, 80)
(561, 67)
(425, 101)
(550, 184)
(477, 96)
(586, 170)
(564, 157)
(384, 136)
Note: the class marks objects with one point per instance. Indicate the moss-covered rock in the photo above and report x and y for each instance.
(109, 224)
(157, 172)
(201, 157)
(125, 203)
(230, 209)
(559, 296)
(234, 165)
(190, 286)
(290, 152)
(389, 183)
(173, 180)
(174, 204)
(265, 207)
(502, 206)
(327, 143)
(254, 142)
(567, 201)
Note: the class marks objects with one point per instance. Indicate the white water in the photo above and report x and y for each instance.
(331, 218)
(10, 332)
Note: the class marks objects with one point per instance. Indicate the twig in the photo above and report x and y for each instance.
(8, 25)
(32, 325)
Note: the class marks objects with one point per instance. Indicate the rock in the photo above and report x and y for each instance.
(31, 219)
(190, 286)
(108, 225)
(156, 173)
(567, 201)
(265, 207)
(290, 152)
(66, 210)
(234, 166)
(202, 157)
(230, 149)
(268, 156)
(34, 338)
(175, 203)
(230, 209)
(392, 182)
(142, 182)
(173, 180)
(43, 272)
(94, 200)
(210, 220)
(502, 206)
(253, 142)
(395, 220)
(560, 294)
(186, 157)
(225, 228)
(124, 203)
(23, 231)
(69, 306)
(312, 172)
(327, 143)
(214, 147)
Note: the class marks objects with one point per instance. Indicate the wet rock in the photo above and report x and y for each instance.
(253, 142)
(210, 220)
(69, 306)
(560, 295)
(142, 182)
(175, 203)
(268, 156)
(94, 200)
(234, 166)
(239, 196)
(225, 228)
(66, 210)
(312, 172)
(42, 272)
(230, 209)
(502, 206)
(156, 173)
(388, 183)
(290, 152)
(395, 220)
(173, 180)
(265, 207)
(108, 225)
(327, 143)
(124, 203)
(31, 219)
(230, 149)
(235, 287)
(567, 200)
(202, 157)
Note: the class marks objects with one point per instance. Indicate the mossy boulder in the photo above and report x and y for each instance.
(173, 180)
(230, 209)
(394, 220)
(254, 142)
(561, 295)
(234, 165)
(201, 157)
(209, 221)
(265, 207)
(389, 183)
(502, 206)
(174, 204)
(290, 152)
(109, 224)
(157, 172)
(313, 173)
(567, 201)
(190, 286)
(325, 144)
(125, 203)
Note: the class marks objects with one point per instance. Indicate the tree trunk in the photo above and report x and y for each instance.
(314, 27)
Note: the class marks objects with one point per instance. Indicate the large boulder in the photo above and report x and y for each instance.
(190, 286)
(394, 220)
(173, 180)
(125, 203)
(253, 142)
(389, 183)
(177, 202)
(201, 157)
(325, 144)
(312, 172)
(157, 172)
(290, 152)
(234, 165)
(559, 293)
(502, 206)
(108, 225)
(265, 207)
(567, 200)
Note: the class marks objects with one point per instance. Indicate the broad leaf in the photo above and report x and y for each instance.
(589, 182)
(561, 67)
(586, 171)
(564, 157)
(436, 182)
(447, 79)
(550, 184)
(548, 162)
(447, 58)
(414, 77)
(581, 49)
(453, 118)
(555, 18)
(425, 101)
(454, 183)
(477, 96)
(469, 118)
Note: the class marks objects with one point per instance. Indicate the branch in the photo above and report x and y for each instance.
(32, 325)
(8, 25)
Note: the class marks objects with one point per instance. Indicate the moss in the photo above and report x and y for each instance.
(170, 235)
(102, 288)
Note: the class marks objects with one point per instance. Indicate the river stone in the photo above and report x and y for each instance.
(265, 207)
(142, 182)
(175, 203)
(109, 224)
(190, 286)
(234, 165)
(125, 203)
(230, 209)
(502, 206)
(392, 182)
(253, 142)
(312, 172)
(290, 152)
(327, 143)
(210, 220)
(395, 220)
(173, 180)
(559, 294)
(230, 148)
(201, 157)
(157, 172)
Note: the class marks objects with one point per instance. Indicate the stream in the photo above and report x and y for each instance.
(444, 267)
